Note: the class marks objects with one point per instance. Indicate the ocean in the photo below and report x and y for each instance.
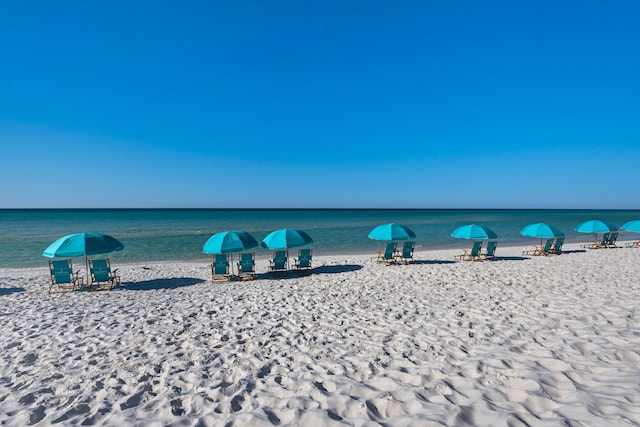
(179, 234)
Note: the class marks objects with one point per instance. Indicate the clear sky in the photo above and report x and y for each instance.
(416, 104)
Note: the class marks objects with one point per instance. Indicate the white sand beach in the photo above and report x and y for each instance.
(539, 341)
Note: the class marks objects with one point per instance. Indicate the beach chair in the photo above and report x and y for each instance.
(598, 244)
(279, 263)
(303, 262)
(540, 250)
(247, 266)
(556, 249)
(220, 268)
(634, 244)
(490, 253)
(102, 277)
(388, 256)
(611, 241)
(63, 278)
(470, 255)
(406, 255)
(545, 249)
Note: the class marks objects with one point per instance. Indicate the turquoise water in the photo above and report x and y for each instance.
(168, 234)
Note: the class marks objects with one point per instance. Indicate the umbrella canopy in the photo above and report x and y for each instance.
(229, 242)
(82, 244)
(595, 226)
(286, 238)
(633, 226)
(542, 230)
(474, 232)
(392, 231)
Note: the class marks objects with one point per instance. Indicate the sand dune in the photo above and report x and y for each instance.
(520, 341)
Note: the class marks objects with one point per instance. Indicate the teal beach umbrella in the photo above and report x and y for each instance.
(286, 238)
(390, 232)
(595, 226)
(229, 242)
(542, 230)
(81, 244)
(633, 226)
(474, 232)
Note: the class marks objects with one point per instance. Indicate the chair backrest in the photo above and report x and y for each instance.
(247, 263)
(407, 249)
(61, 271)
(605, 239)
(280, 260)
(491, 248)
(612, 239)
(547, 245)
(101, 270)
(557, 248)
(389, 250)
(475, 249)
(304, 257)
(221, 264)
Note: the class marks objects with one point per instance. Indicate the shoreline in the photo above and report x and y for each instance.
(265, 254)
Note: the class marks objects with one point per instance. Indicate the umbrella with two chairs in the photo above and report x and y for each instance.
(477, 234)
(595, 227)
(541, 230)
(280, 241)
(226, 243)
(64, 279)
(633, 227)
(392, 233)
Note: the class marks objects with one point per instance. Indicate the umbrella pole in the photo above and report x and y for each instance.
(86, 268)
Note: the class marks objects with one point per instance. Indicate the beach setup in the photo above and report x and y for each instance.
(391, 233)
(476, 233)
(633, 227)
(595, 226)
(280, 241)
(543, 231)
(82, 244)
(228, 242)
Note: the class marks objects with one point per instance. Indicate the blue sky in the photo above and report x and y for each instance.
(416, 104)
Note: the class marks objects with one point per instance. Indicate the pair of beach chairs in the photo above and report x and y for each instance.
(551, 247)
(64, 279)
(608, 240)
(477, 254)
(246, 267)
(280, 261)
(391, 254)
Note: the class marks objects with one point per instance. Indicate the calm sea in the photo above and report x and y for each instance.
(178, 234)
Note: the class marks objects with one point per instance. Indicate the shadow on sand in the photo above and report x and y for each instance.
(335, 269)
(433, 261)
(324, 269)
(147, 285)
(7, 291)
(510, 258)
